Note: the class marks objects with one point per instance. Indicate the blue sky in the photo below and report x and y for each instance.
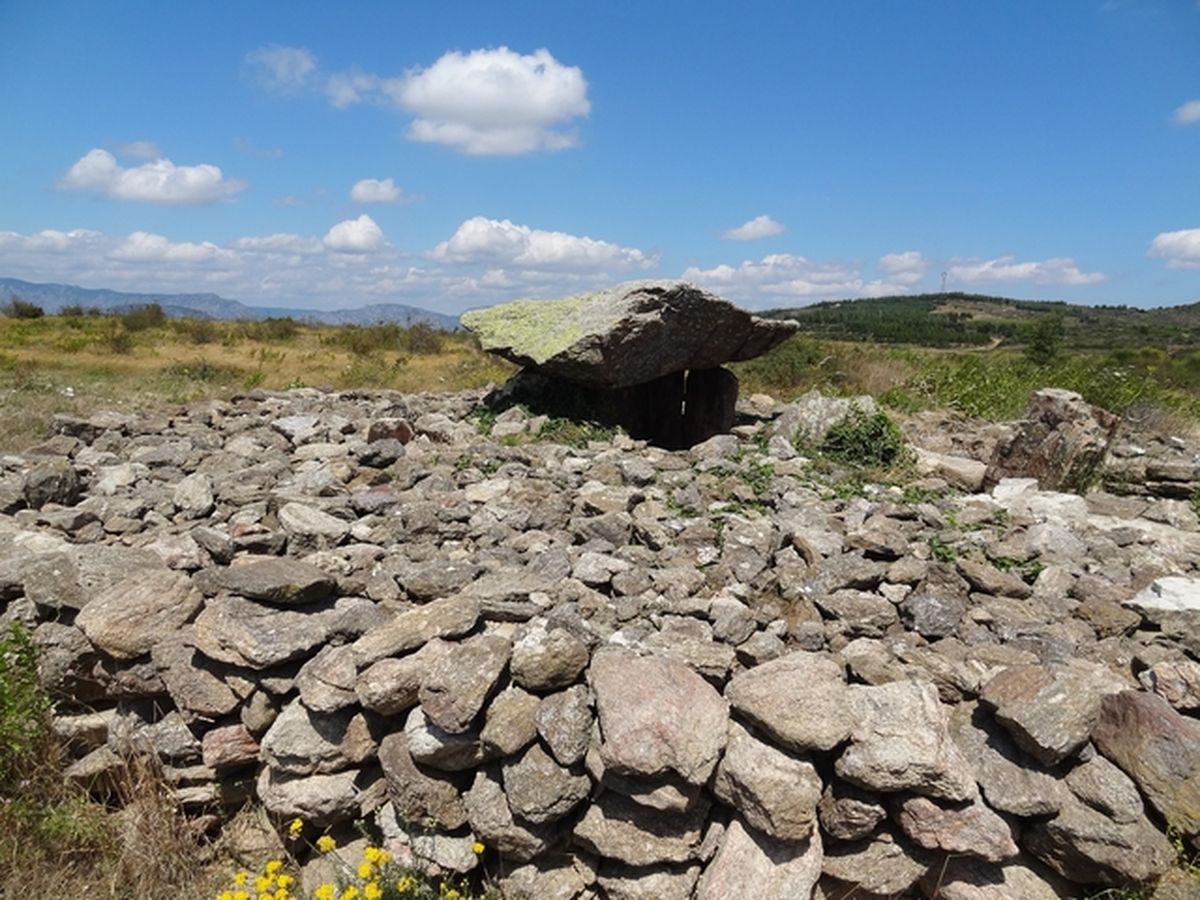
(457, 155)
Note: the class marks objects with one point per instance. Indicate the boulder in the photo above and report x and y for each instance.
(1062, 442)
(131, 616)
(627, 335)
(753, 866)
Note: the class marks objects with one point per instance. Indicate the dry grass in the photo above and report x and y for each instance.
(76, 365)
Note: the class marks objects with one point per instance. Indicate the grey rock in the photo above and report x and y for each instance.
(564, 721)
(419, 794)
(848, 813)
(449, 617)
(799, 700)
(618, 828)
(303, 742)
(327, 681)
(193, 496)
(52, 481)
(391, 685)
(509, 724)
(900, 741)
(539, 790)
(281, 582)
(436, 578)
(129, 618)
(758, 867)
(1087, 847)
(662, 882)
(245, 633)
(458, 684)
(1050, 710)
(320, 800)
(309, 528)
(194, 685)
(971, 878)
(656, 716)
(972, 829)
(546, 658)
(438, 749)
(1158, 748)
(626, 335)
(775, 793)
(1011, 781)
(1176, 681)
(493, 823)
(885, 863)
(1105, 788)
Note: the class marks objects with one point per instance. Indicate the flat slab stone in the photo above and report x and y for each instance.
(281, 581)
(753, 866)
(657, 716)
(629, 334)
(1158, 748)
(616, 827)
(133, 615)
(800, 700)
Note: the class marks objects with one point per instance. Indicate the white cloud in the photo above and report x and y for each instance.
(780, 275)
(493, 102)
(758, 227)
(359, 235)
(908, 267)
(483, 240)
(159, 181)
(283, 69)
(1188, 113)
(279, 243)
(348, 88)
(1059, 271)
(371, 190)
(1181, 249)
(141, 150)
(141, 246)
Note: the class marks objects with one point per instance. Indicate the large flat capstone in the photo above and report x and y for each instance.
(626, 335)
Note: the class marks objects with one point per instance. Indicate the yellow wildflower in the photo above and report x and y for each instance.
(282, 894)
(452, 894)
(478, 848)
(372, 891)
(350, 893)
(240, 878)
(272, 866)
(371, 854)
(404, 885)
(225, 895)
(326, 844)
(285, 881)
(241, 895)
(324, 892)
(263, 883)
(265, 897)
(296, 827)
(365, 870)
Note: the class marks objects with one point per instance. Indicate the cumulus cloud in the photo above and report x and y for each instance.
(758, 227)
(159, 181)
(142, 246)
(1181, 249)
(908, 267)
(494, 102)
(355, 86)
(483, 240)
(1188, 113)
(371, 190)
(359, 235)
(1059, 271)
(282, 69)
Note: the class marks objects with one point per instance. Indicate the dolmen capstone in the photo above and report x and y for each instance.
(645, 355)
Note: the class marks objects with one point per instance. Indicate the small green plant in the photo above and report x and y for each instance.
(759, 477)
(942, 551)
(574, 434)
(24, 709)
(864, 440)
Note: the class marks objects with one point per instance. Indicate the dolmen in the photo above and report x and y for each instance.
(645, 355)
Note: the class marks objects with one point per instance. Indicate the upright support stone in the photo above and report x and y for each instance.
(653, 411)
(709, 404)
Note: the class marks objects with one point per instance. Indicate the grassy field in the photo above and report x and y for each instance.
(77, 364)
(140, 359)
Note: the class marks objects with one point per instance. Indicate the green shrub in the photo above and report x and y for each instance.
(198, 331)
(423, 339)
(74, 311)
(141, 318)
(863, 439)
(16, 308)
(24, 709)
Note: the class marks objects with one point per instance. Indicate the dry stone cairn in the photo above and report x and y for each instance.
(627, 671)
(645, 355)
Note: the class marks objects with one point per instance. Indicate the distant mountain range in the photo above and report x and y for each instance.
(53, 297)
